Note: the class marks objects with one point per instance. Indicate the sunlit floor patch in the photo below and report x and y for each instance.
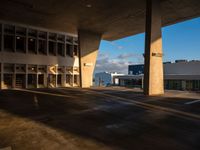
(6, 148)
(192, 102)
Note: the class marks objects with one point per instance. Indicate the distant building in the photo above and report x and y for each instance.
(136, 69)
(106, 78)
(181, 75)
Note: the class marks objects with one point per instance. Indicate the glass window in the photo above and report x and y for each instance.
(76, 81)
(8, 43)
(61, 38)
(42, 47)
(20, 44)
(68, 78)
(0, 35)
(61, 49)
(32, 79)
(21, 31)
(75, 50)
(42, 35)
(31, 45)
(69, 50)
(41, 79)
(32, 33)
(9, 29)
(53, 36)
(52, 48)
(69, 39)
(8, 80)
(59, 79)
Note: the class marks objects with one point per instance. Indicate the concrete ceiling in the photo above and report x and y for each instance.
(113, 18)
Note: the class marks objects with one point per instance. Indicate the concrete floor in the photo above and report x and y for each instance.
(98, 119)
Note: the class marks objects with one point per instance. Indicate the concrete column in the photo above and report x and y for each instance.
(14, 77)
(26, 77)
(47, 44)
(45, 80)
(26, 41)
(88, 49)
(153, 69)
(72, 77)
(64, 74)
(37, 86)
(56, 75)
(73, 80)
(14, 80)
(2, 81)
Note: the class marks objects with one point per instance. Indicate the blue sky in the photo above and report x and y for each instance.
(180, 41)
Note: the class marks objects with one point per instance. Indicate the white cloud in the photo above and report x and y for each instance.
(119, 47)
(130, 55)
(118, 64)
(112, 66)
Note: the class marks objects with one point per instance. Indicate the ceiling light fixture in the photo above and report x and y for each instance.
(88, 5)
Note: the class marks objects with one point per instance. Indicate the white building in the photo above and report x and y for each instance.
(106, 78)
(181, 75)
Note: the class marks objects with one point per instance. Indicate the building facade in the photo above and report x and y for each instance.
(181, 75)
(31, 57)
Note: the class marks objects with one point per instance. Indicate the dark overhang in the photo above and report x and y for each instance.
(113, 18)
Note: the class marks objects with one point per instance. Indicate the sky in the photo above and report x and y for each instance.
(180, 41)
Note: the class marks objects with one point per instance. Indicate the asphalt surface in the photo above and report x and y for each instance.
(98, 119)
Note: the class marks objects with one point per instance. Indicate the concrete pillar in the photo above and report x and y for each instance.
(26, 77)
(14, 80)
(45, 80)
(73, 80)
(56, 75)
(88, 49)
(26, 41)
(2, 81)
(56, 79)
(14, 77)
(37, 86)
(64, 74)
(153, 69)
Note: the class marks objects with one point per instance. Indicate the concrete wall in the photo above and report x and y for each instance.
(187, 68)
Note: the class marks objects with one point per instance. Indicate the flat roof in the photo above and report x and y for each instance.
(115, 19)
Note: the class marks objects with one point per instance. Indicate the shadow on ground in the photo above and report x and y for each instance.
(103, 121)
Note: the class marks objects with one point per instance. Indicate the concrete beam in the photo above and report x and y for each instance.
(88, 49)
(153, 69)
